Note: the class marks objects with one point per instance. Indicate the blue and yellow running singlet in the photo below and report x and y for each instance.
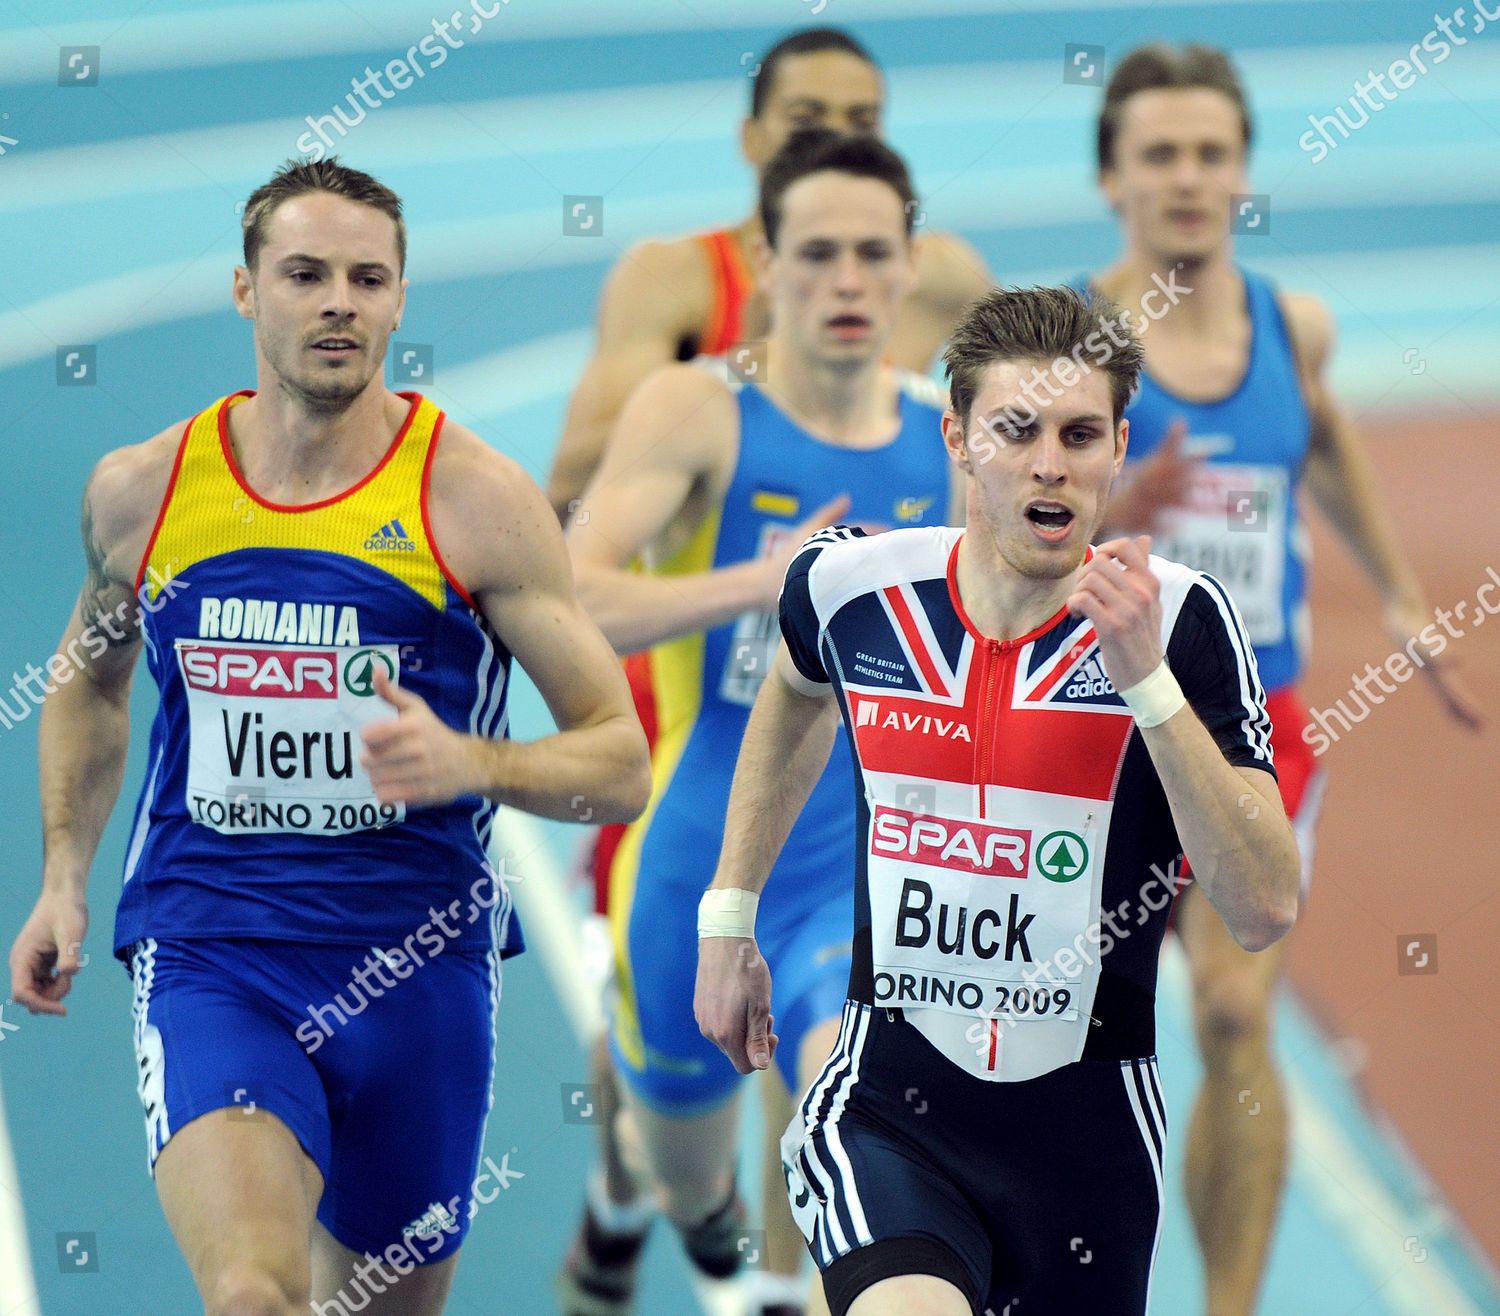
(703, 686)
(264, 625)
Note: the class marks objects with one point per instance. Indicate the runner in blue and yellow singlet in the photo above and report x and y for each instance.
(715, 482)
(308, 912)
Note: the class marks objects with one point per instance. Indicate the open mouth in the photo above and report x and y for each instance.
(1051, 520)
(849, 325)
(336, 346)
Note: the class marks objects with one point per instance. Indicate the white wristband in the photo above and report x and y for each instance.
(727, 912)
(1156, 698)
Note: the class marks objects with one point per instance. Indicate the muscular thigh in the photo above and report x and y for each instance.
(236, 1116)
(239, 1194)
(346, 1281)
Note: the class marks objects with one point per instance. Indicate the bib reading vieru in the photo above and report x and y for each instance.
(264, 626)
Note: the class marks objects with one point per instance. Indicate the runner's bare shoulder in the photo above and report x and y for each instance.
(124, 496)
(488, 516)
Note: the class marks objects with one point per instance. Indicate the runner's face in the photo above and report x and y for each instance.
(328, 273)
(1179, 158)
(1039, 467)
(826, 89)
(841, 268)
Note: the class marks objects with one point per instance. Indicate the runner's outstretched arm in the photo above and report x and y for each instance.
(1342, 482)
(85, 729)
(785, 749)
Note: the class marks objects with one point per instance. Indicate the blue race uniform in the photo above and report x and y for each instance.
(703, 687)
(263, 625)
(1241, 523)
(296, 945)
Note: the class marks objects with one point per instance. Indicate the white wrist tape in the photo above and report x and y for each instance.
(727, 912)
(1154, 699)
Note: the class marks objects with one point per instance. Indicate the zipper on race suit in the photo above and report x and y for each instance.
(998, 654)
(984, 739)
(995, 654)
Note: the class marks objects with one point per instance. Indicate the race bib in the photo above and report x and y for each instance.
(982, 916)
(274, 736)
(752, 643)
(1234, 528)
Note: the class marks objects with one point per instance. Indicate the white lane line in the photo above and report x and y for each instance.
(232, 156)
(1381, 1236)
(18, 1296)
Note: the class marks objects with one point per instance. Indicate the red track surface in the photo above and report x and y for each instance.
(1410, 837)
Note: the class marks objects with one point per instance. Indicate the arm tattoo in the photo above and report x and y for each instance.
(105, 602)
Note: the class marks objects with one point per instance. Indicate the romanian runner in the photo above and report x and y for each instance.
(308, 911)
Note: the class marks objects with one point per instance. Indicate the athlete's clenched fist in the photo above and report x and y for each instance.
(1118, 592)
(415, 758)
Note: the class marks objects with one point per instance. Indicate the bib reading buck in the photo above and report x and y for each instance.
(963, 911)
(1013, 848)
(264, 627)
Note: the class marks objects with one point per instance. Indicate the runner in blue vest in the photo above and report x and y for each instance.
(1233, 420)
(716, 483)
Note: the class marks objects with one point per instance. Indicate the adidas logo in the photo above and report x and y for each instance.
(438, 1219)
(391, 538)
(1090, 682)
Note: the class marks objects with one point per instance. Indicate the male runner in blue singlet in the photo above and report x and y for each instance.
(330, 583)
(680, 297)
(1039, 729)
(716, 483)
(1234, 418)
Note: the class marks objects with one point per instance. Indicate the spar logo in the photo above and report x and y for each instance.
(1062, 856)
(955, 844)
(359, 674)
(267, 673)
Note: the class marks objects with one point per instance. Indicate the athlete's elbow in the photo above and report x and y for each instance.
(628, 789)
(1275, 917)
(637, 794)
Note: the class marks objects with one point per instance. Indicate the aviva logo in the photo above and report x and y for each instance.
(391, 538)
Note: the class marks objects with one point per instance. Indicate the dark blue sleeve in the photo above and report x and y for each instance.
(1210, 655)
(800, 625)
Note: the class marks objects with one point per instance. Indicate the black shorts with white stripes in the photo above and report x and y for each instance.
(1035, 1198)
